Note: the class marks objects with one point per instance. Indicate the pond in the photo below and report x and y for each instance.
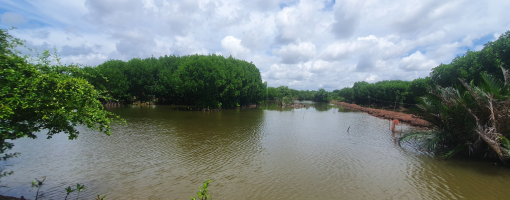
(318, 152)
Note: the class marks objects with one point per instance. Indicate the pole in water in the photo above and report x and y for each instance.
(348, 129)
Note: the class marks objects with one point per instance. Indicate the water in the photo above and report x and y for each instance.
(262, 153)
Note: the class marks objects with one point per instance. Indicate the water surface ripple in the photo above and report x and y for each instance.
(262, 153)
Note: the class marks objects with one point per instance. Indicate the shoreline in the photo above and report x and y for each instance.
(409, 119)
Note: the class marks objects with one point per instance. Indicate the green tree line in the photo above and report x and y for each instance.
(381, 93)
(468, 67)
(467, 102)
(471, 65)
(469, 105)
(206, 81)
(385, 93)
(277, 93)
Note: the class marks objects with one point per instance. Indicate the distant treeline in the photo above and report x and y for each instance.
(386, 93)
(212, 81)
(207, 81)
(468, 67)
(292, 94)
(382, 93)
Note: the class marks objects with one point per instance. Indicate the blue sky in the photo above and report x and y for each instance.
(301, 44)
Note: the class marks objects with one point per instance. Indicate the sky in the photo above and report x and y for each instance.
(305, 45)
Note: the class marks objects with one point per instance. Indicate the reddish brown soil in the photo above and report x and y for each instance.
(409, 119)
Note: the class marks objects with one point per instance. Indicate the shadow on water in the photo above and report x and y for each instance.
(273, 105)
(260, 153)
(195, 146)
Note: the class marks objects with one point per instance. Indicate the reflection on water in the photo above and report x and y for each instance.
(262, 153)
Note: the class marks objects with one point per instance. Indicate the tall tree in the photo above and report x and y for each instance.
(34, 98)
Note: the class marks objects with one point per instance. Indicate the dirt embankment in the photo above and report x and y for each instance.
(410, 119)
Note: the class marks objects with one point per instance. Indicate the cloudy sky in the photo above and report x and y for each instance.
(301, 44)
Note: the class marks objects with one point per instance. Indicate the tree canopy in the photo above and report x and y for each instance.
(206, 81)
(39, 97)
(472, 64)
(469, 66)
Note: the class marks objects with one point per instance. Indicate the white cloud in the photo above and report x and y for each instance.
(234, 47)
(496, 35)
(184, 46)
(292, 53)
(347, 19)
(417, 62)
(12, 19)
(300, 22)
(298, 43)
(371, 78)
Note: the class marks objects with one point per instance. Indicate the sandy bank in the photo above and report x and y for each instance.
(409, 119)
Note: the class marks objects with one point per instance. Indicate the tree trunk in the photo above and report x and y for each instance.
(490, 136)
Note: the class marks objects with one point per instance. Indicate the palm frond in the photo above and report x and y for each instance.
(457, 149)
(495, 87)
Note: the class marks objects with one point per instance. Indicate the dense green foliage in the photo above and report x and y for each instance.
(385, 93)
(39, 97)
(292, 94)
(471, 119)
(207, 81)
(284, 95)
(397, 93)
(470, 65)
(283, 91)
(346, 93)
(321, 96)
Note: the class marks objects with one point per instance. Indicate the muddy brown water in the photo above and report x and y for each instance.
(261, 153)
